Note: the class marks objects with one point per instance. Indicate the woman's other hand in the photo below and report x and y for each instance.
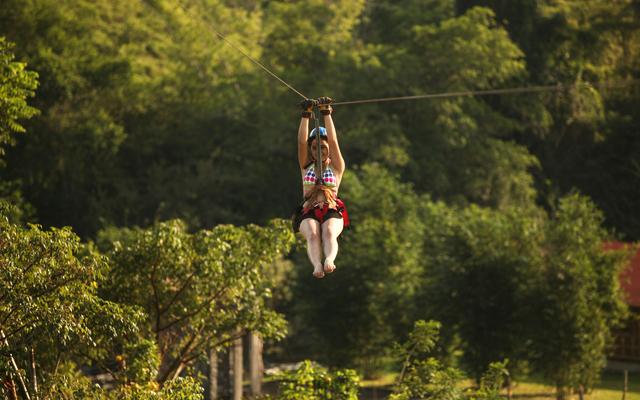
(324, 103)
(307, 107)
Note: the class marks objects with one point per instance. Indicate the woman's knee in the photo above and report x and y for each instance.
(332, 230)
(310, 229)
(313, 235)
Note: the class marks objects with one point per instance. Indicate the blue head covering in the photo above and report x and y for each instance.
(323, 133)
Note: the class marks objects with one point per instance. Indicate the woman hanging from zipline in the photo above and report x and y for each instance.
(322, 216)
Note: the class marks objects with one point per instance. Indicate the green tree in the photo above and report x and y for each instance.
(479, 281)
(16, 86)
(458, 148)
(470, 159)
(146, 118)
(583, 137)
(68, 383)
(199, 290)
(49, 305)
(424, 377)
(309, 382)
(136, 107)
(538, 290)
(348, 318)
(581, 301)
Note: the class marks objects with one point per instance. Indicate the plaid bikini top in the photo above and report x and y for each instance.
(328, 177)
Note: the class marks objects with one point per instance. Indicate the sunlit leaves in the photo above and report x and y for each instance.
(198, 289)
(17, 84)
(488, 272)
(48, 296)
(424, 376)
(312, 382)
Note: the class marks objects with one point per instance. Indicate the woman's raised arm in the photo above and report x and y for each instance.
(332, 137)
(303, 132)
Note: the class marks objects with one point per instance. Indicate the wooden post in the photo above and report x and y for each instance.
(626, 384)
(237, 368)
(213, 374)
(256, 365)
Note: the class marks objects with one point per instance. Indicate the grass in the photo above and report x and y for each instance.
(610, 387)
(384, 380)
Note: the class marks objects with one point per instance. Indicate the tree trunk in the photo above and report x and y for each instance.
(237, 369)
(581, 392)
(178, 370)
(15, 366)
(256, 365)
(10, 385)
(225, 377)
(213, 374)
(34, 376)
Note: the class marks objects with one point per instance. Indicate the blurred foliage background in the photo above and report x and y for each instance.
(159, 146)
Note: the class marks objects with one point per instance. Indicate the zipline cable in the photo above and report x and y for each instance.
(221, 36)
(529, 89)
(239, 49)
(318, 167)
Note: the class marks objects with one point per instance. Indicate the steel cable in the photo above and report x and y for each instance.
(529, 89)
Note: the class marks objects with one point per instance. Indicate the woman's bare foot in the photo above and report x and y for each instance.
(318, 272)
(329, 267)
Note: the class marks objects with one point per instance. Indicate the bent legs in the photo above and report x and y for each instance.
(312, 231)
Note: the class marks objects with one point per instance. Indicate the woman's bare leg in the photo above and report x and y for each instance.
(331, 229)
(310, 229)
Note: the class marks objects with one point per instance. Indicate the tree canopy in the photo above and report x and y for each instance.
(146, 166)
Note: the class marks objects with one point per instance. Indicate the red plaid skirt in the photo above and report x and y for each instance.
(321, 214)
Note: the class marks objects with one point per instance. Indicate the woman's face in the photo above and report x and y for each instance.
(324, 148)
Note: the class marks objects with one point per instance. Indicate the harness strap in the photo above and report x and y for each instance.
(329, 195)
